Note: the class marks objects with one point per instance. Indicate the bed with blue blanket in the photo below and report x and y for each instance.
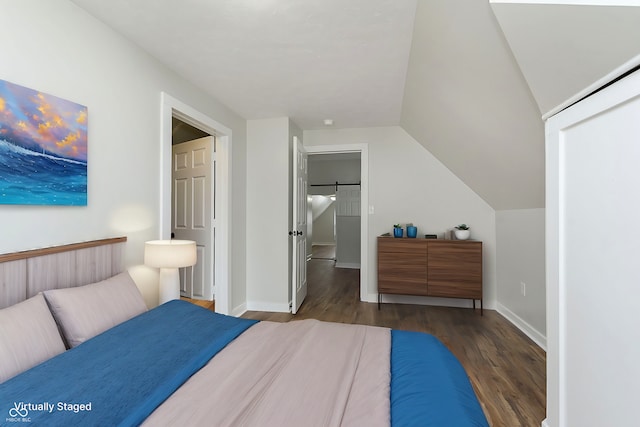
(233, 371)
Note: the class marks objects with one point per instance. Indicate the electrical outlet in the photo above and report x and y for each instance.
(523, 289)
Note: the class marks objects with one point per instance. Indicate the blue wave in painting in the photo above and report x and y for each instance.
(31, 178)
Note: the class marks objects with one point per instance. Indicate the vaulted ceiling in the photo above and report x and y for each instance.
(468, 79)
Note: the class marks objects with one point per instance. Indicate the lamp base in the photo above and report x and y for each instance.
(169, 288)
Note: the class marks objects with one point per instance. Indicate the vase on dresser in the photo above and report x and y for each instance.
(462, 234)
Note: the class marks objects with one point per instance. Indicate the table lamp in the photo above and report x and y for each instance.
(169, 255)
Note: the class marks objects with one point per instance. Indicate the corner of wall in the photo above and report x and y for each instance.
(239, 310)
(535, 336)
(521, 272)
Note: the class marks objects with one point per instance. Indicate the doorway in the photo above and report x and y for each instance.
(192, 204)
(353, 151)
(172, 108)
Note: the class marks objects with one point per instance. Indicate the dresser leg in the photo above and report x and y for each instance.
(481, 309)
(378, 300)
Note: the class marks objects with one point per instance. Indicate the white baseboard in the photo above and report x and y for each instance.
(239, 310)
(544, 423)
(348, 265)
(528, 330)
(268, 306)
(370, 298)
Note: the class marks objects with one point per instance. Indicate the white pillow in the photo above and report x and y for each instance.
(28, 337)
(89, 310)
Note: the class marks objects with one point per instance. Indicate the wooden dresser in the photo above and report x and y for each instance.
(430, 267)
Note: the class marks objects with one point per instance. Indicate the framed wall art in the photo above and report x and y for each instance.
(43, 148)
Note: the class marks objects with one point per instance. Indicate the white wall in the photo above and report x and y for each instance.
(327, 169)
(520, 259)
(466, 101)
(268, 224)
(57, 48)
(348, 241)
(269, 213)
(408, 184)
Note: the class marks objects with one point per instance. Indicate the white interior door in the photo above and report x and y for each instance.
(193, 173)
(299, 230)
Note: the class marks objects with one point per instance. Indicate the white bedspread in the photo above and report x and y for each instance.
(301, 373)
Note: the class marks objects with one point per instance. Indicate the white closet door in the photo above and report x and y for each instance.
(593, 279)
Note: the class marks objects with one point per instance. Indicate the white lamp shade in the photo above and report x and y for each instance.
(170, 253)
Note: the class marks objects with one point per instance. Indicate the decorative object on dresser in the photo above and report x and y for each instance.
(430, 267)
(462, 232)
(397, 230)
(412, 231)
(169, 256)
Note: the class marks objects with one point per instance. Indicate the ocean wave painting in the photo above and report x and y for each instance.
(43, 148)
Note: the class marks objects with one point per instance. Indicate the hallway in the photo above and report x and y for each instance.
(323, 252)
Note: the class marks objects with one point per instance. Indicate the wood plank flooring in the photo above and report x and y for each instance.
(209, 305)
(506, 368)
(323, 252)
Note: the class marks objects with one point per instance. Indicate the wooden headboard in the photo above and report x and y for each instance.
(24, 274)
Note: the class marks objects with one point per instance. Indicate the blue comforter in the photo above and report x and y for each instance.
(119, 377)
(429, 386)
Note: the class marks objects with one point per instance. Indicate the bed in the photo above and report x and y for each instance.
(90, 353)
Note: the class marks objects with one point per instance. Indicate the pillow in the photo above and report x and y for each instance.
(89, 310)
(28, 336)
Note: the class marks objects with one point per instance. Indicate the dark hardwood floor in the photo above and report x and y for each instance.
(323, 252)
(506, 368)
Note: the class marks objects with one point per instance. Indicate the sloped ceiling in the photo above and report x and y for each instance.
(563, 49)
(467, 102)
(482, 74)
(470, 86)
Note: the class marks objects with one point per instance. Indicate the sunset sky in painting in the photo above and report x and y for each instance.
(41, 122)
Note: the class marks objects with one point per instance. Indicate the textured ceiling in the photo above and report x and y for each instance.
(308, 60)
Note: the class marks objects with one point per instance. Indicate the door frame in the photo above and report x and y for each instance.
(363, 149)
(172, 107)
